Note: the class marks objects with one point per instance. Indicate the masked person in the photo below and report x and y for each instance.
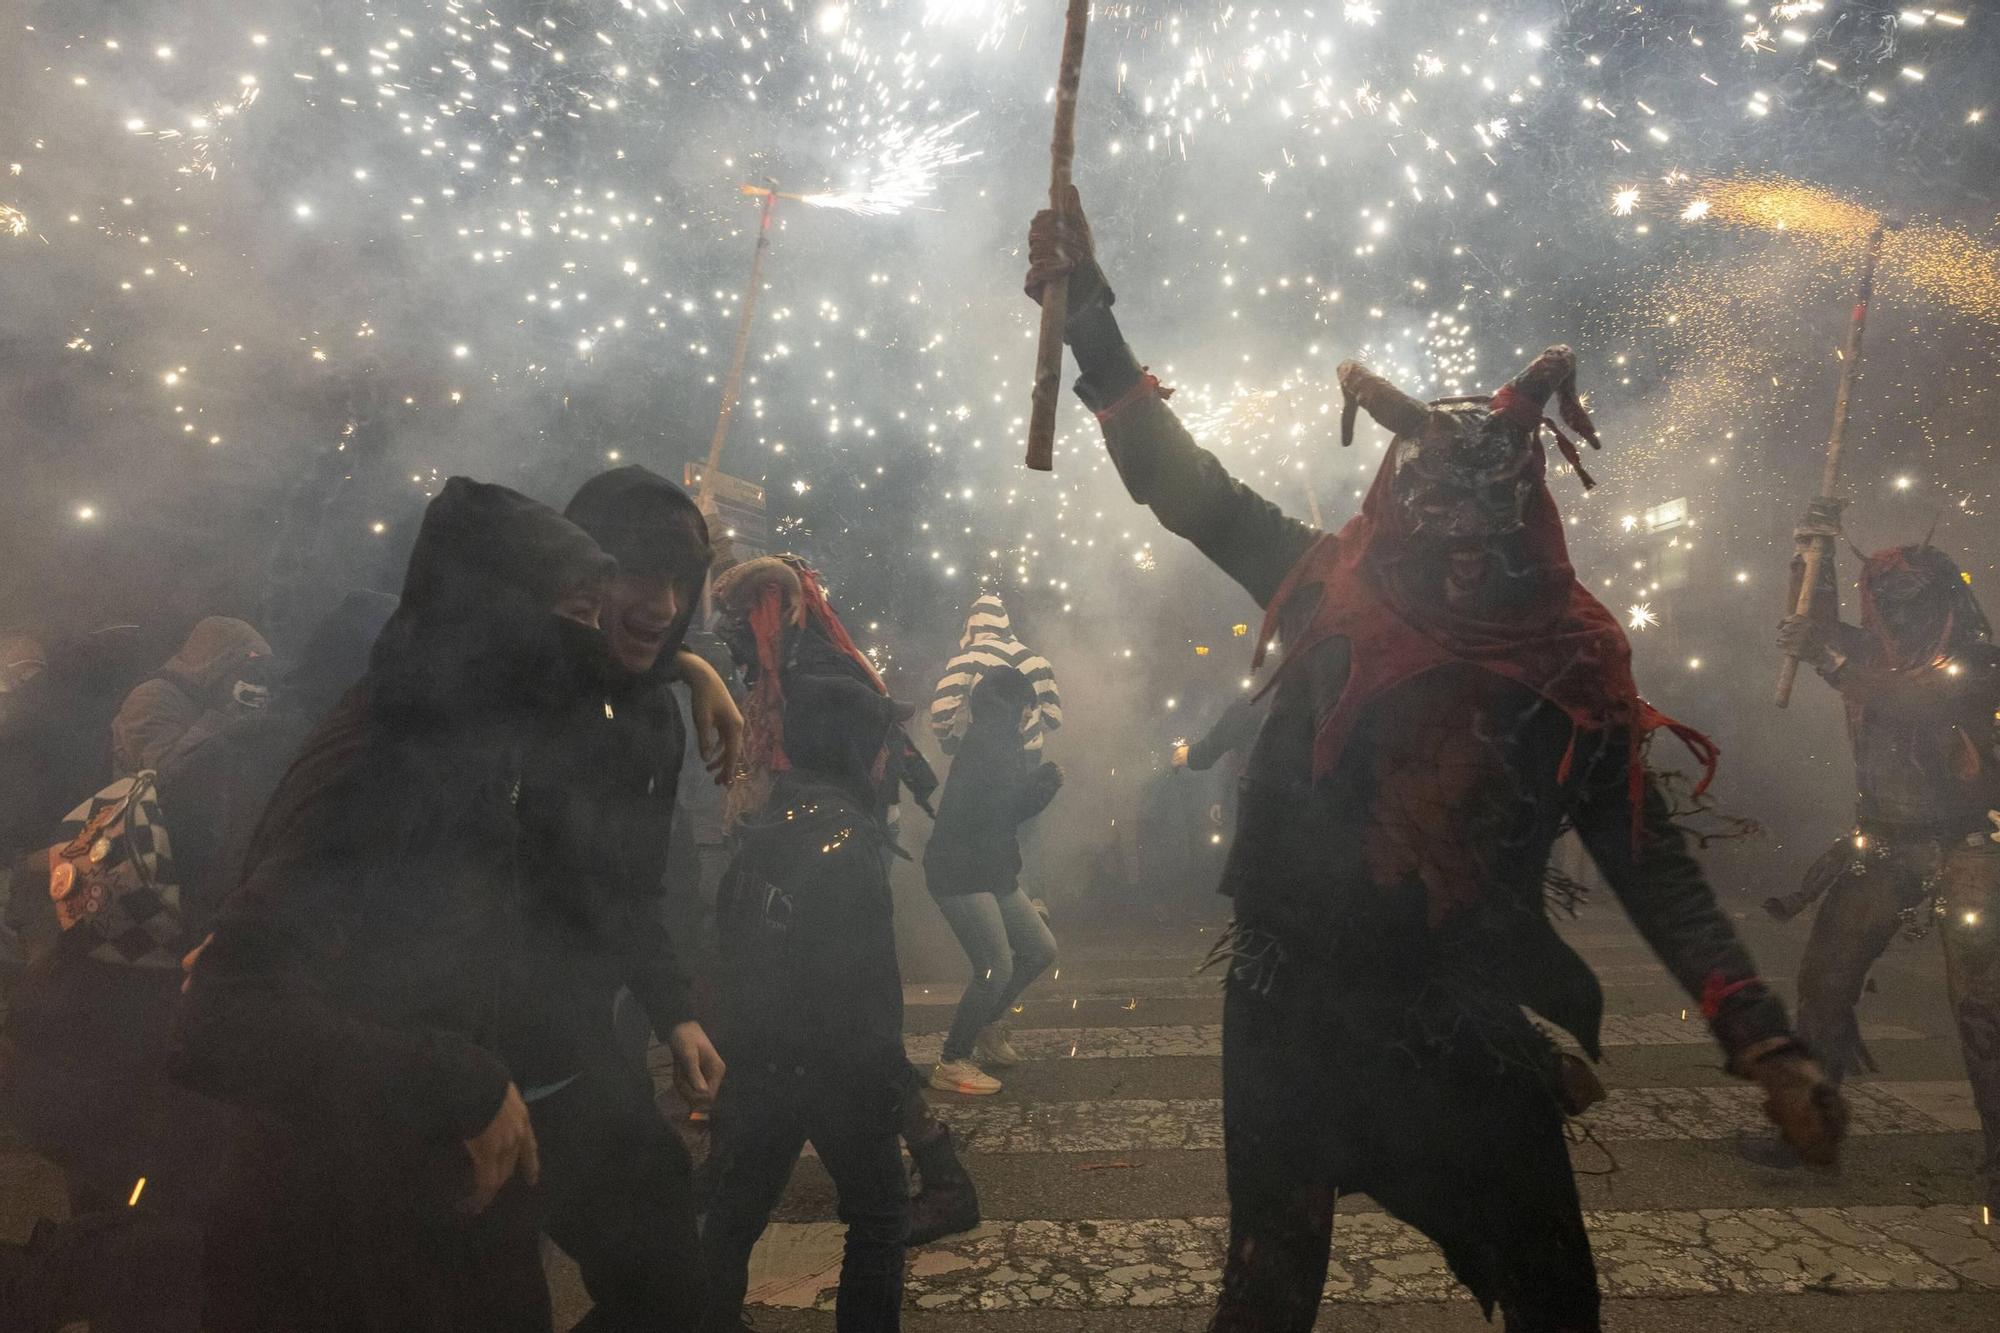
(596, 810)
(972, 866)
(811, 992)
(353, 995)
(1450, 697)
(219, 673)
(1920, 680)
(84, 1051)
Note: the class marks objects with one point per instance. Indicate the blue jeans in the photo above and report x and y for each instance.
(1008, 944)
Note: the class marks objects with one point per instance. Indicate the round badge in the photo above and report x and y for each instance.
(100, 849)
(61, 880)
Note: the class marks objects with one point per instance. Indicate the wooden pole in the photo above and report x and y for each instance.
(732, 384)
(1055, 296)
(1819, 549)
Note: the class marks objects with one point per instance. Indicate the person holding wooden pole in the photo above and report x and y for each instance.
(1919, 678)
(1450, 697)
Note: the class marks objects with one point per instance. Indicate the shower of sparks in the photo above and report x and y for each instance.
(13, 222)
(1624, 200)
(902, 172)
(1639, 616)
(1696, 210)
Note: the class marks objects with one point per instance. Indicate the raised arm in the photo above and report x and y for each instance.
(1247, 536)
(1818, 640)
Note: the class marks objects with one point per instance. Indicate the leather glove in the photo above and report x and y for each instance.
(1821, 519)
(1809, 1112)
(1060, 243)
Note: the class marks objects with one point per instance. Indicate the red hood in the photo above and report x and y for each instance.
(1560, 642)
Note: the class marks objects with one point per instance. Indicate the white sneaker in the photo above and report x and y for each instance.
(991, 1047)
(965, 1077)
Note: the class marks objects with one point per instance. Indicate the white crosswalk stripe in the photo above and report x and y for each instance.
(1049, 1139)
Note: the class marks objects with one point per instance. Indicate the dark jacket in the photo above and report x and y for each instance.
(351, 998)
(993, 788)
(1233, 731)
(809, 971)
(597, 811)
(1330, 867)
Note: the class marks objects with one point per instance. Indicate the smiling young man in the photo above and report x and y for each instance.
(617, 1182)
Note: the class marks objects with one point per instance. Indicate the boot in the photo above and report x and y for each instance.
(947, 1204)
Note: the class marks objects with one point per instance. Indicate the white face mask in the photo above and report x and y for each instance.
(250, 696)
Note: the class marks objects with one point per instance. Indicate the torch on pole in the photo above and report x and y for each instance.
(1818, 549)
(732, 383)
(1055, 297)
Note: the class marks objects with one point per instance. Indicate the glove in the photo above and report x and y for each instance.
(1060, 243)
(1822, 519)
(1799, 637)
(1809, 1112)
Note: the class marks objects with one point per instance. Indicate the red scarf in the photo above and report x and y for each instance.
(1565, 646)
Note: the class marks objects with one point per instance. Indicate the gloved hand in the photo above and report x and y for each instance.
(1060, 243)
(1799, 637)
(1821, 519)
(1809, 1112)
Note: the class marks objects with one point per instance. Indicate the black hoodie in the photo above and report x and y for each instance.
(597, 807)
(350, 996)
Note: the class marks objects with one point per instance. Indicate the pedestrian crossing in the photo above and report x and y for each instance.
(1102, 1165)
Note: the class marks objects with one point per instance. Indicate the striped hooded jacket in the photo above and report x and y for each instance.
(989, 642)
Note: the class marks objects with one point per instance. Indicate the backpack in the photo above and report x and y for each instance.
(113, 881)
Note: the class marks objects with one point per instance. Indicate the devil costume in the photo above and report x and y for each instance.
(1421, 755)
(1920, 679)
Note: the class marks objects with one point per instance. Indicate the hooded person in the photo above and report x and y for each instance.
(221, 671)
(1919, 678)
(354, 995)
(972, 866)
(988, 642)
(812, 998)
(597, 811)
(1450, 698)
(84, 1059)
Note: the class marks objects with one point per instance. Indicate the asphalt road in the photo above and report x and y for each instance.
(1100, 1167)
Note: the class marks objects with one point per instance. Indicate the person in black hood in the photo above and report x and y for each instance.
(353, 994)
(812, 996)
(598, 810)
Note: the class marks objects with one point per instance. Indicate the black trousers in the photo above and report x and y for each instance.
(617, 1193)
(1465, 1147)
(767, 1114)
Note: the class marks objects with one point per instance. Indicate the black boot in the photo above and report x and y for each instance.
(947, 1204)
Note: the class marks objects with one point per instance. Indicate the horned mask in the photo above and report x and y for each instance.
(1464, 469)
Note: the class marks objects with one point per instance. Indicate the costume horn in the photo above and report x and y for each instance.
(1551, 373)
(1395, 410)
(1522, 399)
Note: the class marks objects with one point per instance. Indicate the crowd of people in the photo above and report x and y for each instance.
(337, 970)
